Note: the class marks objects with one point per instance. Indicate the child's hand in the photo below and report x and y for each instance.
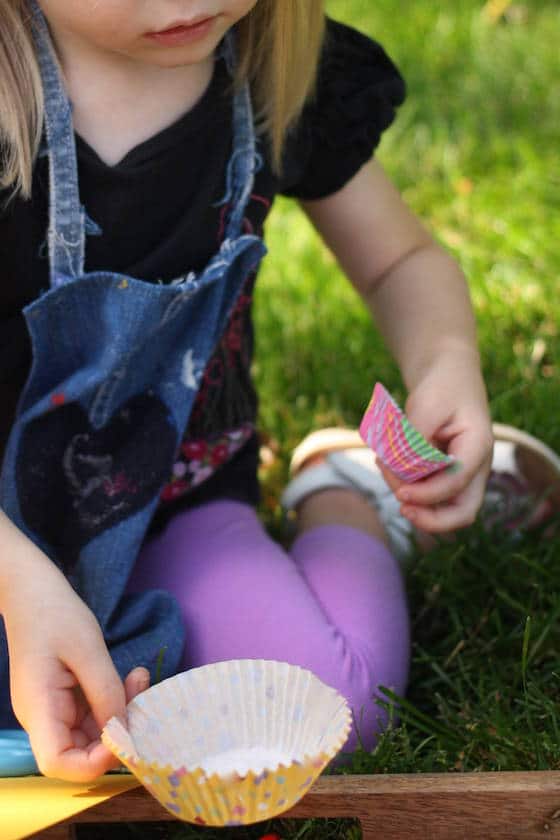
(448, 406)
(64, 686)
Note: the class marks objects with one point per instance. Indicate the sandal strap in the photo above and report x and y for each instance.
(311, 480)
(347, 470)
(511, 502)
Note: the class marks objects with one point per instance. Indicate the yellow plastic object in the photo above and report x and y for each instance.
(34, 803)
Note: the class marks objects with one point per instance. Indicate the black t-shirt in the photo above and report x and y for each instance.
(159, 215)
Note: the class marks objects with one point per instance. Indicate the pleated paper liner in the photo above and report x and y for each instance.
(397, 444)
(231, 743)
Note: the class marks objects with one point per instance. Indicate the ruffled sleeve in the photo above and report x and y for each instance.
(358, 91)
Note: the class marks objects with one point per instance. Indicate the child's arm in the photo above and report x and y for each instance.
(57, 659)
(420, 301)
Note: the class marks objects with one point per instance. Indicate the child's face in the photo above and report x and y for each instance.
(169, 33)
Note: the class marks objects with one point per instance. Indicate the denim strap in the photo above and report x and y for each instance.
(244, 160)
(66, 235)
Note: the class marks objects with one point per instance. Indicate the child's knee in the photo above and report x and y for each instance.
(361, 682)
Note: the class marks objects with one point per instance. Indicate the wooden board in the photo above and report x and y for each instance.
(470, 806)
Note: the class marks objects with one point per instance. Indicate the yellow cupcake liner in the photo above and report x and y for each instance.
(231, 743)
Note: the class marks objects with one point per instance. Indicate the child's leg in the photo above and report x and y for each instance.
(336, 606)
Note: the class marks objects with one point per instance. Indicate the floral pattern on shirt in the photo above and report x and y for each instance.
(198, 459)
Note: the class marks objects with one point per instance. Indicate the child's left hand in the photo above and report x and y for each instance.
(448, 406)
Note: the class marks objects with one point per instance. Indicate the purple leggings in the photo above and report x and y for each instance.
(334, 604)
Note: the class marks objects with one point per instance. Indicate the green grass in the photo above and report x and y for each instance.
(475, 152)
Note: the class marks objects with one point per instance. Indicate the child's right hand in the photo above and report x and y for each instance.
(64, 686)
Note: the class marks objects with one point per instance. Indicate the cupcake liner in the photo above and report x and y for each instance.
(231, 743)
(397, 444)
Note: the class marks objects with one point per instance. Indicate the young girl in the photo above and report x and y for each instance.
(137, 176)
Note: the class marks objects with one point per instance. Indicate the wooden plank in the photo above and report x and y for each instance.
(477, 806)
(501, 806)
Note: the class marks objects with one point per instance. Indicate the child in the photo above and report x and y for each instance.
(130, 236)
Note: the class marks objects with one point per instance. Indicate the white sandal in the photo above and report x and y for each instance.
(344, 461)
(523, 489)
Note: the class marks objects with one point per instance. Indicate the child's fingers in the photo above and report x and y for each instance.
(392, 480)
(137, 680)
(99, 680)
(435, 489)
(65, 754)
(437, 520)
(453, 515)
(473, 460)
(87, 736)
(74, 764)
(61, 751)
(79, 738)
(449, 500)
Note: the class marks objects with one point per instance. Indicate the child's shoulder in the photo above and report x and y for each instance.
(346, 42)
(358, 91)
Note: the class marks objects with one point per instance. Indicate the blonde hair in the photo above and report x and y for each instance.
(21, 98)
(279, 44)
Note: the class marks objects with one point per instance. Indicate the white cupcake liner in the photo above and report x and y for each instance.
(234, 742)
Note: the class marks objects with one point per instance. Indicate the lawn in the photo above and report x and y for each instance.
(475, 153)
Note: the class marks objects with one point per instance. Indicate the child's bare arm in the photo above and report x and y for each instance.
(63, 684)
(419, 299)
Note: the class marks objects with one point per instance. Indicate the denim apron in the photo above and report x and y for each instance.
(116, 366)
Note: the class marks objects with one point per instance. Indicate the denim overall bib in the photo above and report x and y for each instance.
(116, 367)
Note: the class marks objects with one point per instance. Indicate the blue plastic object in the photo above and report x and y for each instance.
(16, 757)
